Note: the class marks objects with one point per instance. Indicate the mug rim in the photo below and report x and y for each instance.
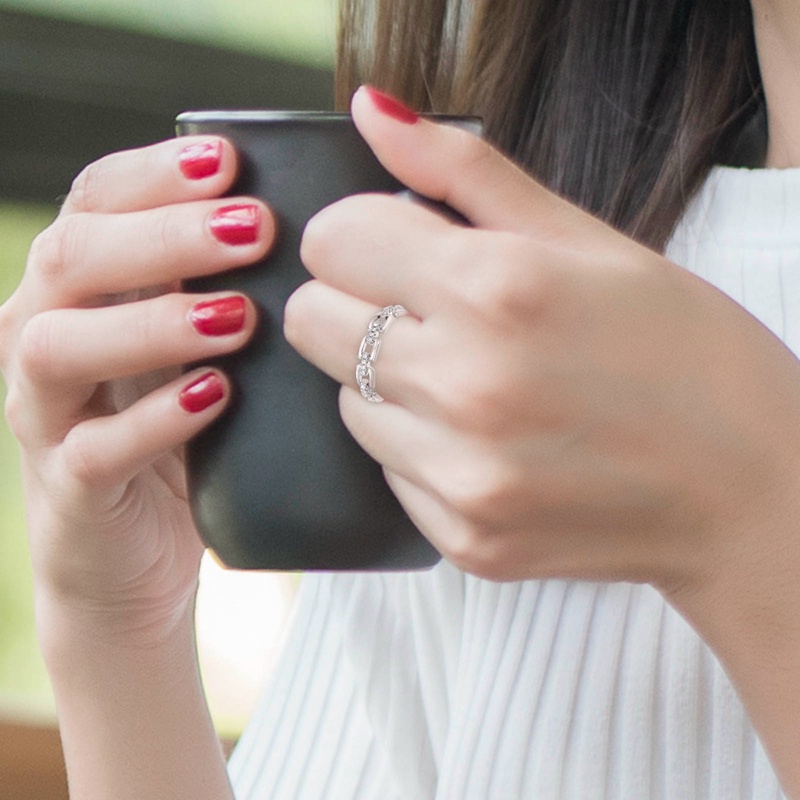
(281, 115)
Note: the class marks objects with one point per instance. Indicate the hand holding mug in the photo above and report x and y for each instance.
(91, 346)
(561, 401)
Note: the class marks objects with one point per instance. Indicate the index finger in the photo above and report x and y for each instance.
(178, 170)
(361, 245)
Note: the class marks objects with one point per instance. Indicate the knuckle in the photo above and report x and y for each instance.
(45, 254)
(85, 194)
(38, 345)
(471, 152)
(7, 325)
(317, 237)
(81, 458)
(481, 491)
(462, 547)
(502, 282)
(295, 317)
(15, 410)
(151, 325)
(475, 550)
(475, 401)
(458, 253)
(169, 229)
(56, 248)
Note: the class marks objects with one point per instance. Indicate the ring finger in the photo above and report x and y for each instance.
(327, 326)
(75, 347)
(65, 353)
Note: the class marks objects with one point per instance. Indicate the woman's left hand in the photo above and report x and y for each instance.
(561, 401)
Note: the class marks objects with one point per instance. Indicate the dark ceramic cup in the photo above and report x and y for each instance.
(278, 482)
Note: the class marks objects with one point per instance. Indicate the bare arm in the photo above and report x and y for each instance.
(134, 722)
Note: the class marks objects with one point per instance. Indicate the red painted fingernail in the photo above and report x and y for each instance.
(219, 317)
(236, 224)
(201, 393)
(201, 160)
(391, 106)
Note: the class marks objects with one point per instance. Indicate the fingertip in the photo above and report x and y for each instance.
(209, 164)
(358, 102)
(243, 223)
(369, 103)
(362, 112)
(269, 227)
(315, 234)
(200, 159)
(408, 145)
(225, 315)
(204, 391)
(390, 106)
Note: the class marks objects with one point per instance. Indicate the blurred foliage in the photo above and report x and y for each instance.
(23, 680)
(298, 30)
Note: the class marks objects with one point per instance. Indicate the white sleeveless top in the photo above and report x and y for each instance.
(441, 685)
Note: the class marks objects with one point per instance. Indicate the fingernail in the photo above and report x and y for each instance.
(391, 106)
(219, 317)
(201, 160)
(201, 393)
(236, 224)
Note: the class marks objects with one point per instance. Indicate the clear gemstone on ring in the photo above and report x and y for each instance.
(369, 349)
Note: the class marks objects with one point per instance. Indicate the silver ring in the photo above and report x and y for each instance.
(370, 347)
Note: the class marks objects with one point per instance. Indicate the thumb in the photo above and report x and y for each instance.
(455, 167)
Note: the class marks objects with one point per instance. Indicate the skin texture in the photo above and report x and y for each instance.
(555, 406)
(777, 27)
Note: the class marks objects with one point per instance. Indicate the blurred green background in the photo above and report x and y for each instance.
(296, 30)
(85, 77)
(23, 684)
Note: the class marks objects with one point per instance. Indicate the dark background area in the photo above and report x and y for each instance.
(71, 92)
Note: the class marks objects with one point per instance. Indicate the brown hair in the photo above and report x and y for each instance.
(623, 106)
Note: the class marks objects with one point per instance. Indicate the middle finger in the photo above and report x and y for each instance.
(387, 250)
(83, 257)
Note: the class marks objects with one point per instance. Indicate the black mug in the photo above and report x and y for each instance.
(278, 482)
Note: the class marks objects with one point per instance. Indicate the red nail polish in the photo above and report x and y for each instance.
(201, 393)
(236, 224)
(219, 317)
(201, 160)
(391, 106)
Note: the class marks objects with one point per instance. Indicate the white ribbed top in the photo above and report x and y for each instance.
(440, 685)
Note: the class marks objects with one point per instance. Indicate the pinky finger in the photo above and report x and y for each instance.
(432, 517)
(104, 451)
(467, 547)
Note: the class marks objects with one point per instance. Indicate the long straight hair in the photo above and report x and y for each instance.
(622, 106)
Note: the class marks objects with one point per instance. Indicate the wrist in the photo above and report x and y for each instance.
(75, 637)
(132, 714)
(744, 605)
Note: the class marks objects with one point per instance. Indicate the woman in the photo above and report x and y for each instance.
(609, 463)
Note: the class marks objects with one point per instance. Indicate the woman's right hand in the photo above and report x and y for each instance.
(90, 348)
